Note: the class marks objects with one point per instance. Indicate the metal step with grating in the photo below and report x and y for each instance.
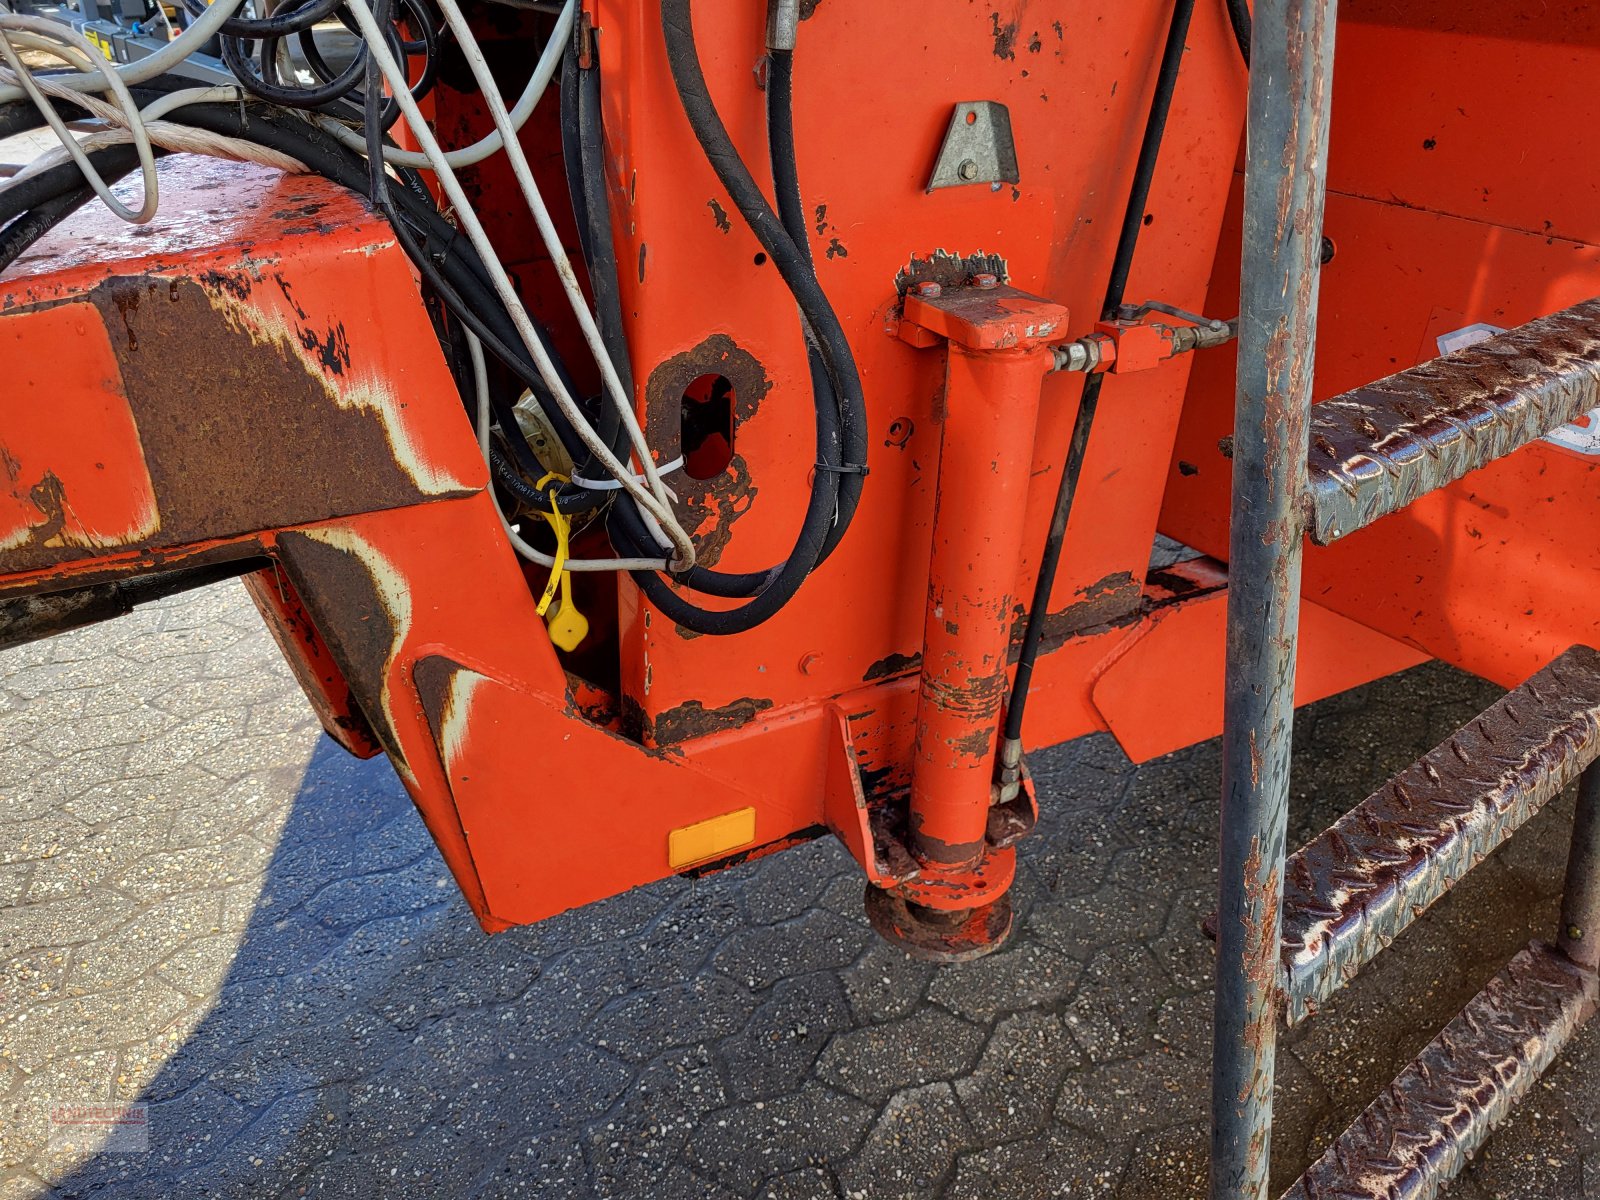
(1354, 888)
(1376, 449)
(1423, 1127)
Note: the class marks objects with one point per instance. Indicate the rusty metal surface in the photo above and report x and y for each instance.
(1352, 891)
(708, 507)
(1291, 80)
(1422, 1130)
(1378, 448)
(1579, 936)
(168, 391)
(30, 617)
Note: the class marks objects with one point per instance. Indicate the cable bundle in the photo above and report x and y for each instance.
(339, 127)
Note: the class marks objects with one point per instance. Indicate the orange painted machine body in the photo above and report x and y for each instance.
(259, 378)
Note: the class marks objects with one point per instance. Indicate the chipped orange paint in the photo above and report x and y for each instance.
(92, 490)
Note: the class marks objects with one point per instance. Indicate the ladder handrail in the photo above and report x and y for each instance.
(1291, 73)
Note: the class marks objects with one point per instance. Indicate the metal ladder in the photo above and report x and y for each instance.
(1293, 929)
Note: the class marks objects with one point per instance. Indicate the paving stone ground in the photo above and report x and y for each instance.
(206, 907)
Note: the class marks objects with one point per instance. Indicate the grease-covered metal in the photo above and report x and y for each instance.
(1425, 1126)
(1376, 449)
(1352, 890)
(1290, 86)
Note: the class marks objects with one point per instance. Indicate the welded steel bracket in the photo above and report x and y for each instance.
(978, 147)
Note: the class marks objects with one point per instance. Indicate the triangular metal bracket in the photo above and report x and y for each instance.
(978, 147)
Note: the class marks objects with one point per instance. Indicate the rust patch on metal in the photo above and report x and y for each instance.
(432, 677)
(947, 270)
(693, 719)
(309, 659)
(347, 605)
(1112, 599)
(708, 508)
(1005, 37)
(592, 703)
(241, 430)
(892, 665)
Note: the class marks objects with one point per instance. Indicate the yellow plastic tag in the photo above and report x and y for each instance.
(567, 626)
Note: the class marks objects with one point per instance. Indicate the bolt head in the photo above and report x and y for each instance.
(809, 663)
(968, 169)
(985, 280)
(929, 290)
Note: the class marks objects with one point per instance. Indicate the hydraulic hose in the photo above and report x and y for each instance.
(840, 411)
(1239, 18)
(1078, 448)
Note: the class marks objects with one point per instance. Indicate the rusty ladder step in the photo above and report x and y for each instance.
(1348, 893)
(1424, 1127)
(1376, 449)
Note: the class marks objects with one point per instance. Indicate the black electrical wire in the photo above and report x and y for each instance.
(1122, 264)
(582, 135)
(1239, 18)
(266, 84)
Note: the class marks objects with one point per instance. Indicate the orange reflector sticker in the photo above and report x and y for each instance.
(709, 839)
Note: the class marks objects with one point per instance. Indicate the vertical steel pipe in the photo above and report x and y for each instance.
(1580, 901)
(1291, 74)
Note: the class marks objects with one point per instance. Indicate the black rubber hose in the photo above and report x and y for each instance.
(572, 139)
(841, 435)
(280, 24)
(1239, 18)
(773, 588)
(30, 226)
(793, 264)
(594, 217)
(1078, 448)
(792, 212)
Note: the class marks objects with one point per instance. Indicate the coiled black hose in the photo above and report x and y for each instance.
(840, 407)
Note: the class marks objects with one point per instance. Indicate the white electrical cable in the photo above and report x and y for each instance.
(658, 506)
(131, 124)
(174, 52)
(518, 159)
(166, 134)
(466, 156)
(480, 377)
(21, 74)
